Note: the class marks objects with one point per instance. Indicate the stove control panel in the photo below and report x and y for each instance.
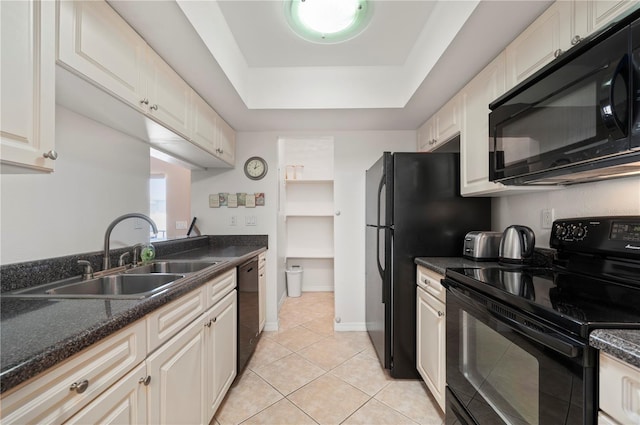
(604, 235)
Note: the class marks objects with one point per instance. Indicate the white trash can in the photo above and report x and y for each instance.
(294, 281)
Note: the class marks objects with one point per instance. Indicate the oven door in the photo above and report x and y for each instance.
(575, 114)
(505, 368)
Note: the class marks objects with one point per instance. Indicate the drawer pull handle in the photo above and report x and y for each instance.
(215, 319)
(153, 107)
(145, 380)
(79, 387)
(557, 53)
(440, 314)
(208, 324)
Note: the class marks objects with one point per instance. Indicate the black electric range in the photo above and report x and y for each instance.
(539, 319)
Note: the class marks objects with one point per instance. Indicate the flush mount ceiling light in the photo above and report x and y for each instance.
(327, 21)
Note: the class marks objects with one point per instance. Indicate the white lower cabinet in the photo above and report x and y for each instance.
(430, 328)
(221, 336)
(123, 403)
(58, 394)
(178, 374)
(177, 387)
(619, 392)
(262, 290)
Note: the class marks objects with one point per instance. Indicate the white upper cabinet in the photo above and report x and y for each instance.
(539, 44)
(97, 43)
(27, 120)
(474, 137)
(442, 126)
(590, 16)
(226, 146)
(168, 95)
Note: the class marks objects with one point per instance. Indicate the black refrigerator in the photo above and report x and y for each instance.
(413, 209)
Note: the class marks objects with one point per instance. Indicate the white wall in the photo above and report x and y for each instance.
(612, 197)
(217, 221)
(354, 153)
(99, 175)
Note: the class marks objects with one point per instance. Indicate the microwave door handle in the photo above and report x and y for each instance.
(607, 103)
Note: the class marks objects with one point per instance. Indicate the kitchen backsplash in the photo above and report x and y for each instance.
(612, 197)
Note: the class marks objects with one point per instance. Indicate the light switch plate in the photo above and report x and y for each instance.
(547, 218)
(181, 225)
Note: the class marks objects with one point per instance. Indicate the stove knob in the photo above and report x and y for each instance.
(578, 232)
(561, 231)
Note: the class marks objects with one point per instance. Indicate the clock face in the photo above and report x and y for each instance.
(255, 168)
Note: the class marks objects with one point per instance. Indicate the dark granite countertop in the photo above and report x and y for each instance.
(623, 344)
(37, 334)
(440, 264)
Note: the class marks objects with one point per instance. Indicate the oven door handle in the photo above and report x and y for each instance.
(557, 344)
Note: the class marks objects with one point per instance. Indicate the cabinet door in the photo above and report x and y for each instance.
(427, 135)
(95, 42)
(169, 95)
(177, 389)
(539, 44)
(222, 342)
(474, 137)
(27, 97)
(204, 124)
(448, 120)
(591, 15)
(431, 344)
(226, 142)
(619, 390)
(123, 403)
(262, 296)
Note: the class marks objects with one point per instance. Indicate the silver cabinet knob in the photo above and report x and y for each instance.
(80, 386)
(154, 107)
(144, 101)
(440, 314)
(557, 53)
(337, 212)
(215, 319)
(145, 380)
(575, 40)
(51, 155)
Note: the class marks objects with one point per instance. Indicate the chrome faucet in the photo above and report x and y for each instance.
(106, 263)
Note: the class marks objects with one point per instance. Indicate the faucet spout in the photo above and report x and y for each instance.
(106, 263)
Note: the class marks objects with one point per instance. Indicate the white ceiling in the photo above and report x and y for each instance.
(243, 59)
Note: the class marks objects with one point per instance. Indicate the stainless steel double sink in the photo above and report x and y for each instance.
(139, 282)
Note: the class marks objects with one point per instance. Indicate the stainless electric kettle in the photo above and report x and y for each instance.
(516, 245)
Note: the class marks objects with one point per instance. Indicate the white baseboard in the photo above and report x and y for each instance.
(283, 297)
(317, 288)
(350, 327)
(271, 327)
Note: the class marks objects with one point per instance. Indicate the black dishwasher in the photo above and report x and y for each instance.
(248, 315)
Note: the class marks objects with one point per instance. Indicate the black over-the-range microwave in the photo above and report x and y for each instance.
(575, 120)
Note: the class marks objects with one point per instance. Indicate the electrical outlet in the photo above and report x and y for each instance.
(181, 225)
(233, 221)
(250, 220)
(547, 218)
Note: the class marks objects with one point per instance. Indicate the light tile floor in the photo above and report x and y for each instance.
(308, 374)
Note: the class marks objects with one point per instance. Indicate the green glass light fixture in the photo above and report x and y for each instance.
(328, 21)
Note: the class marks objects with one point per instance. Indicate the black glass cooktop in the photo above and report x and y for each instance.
(575, 302)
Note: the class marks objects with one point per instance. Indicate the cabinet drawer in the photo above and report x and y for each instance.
(262, 259)
(47, 398)
(219, 286)
(430, 282)
(619, 390)
(170, 319)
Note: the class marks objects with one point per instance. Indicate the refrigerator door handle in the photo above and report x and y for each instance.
(380, 269)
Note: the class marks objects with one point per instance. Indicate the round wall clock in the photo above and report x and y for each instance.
(255, 168)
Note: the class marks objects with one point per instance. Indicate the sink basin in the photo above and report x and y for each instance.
(173, 266)
(119, 286)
